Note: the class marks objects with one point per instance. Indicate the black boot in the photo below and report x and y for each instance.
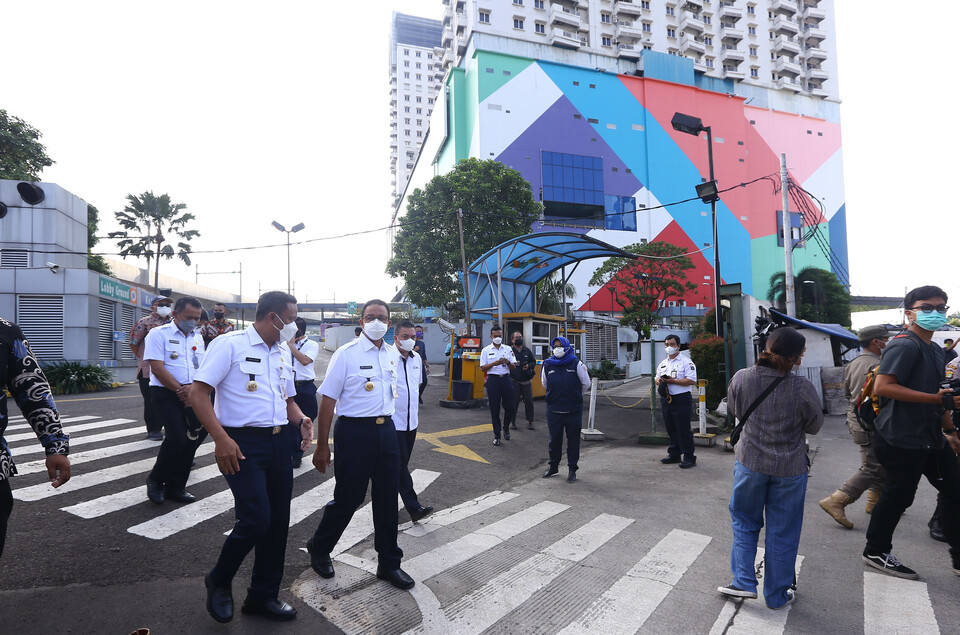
(936, 525)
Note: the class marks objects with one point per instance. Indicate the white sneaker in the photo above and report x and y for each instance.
(791, 596)
(734, 592)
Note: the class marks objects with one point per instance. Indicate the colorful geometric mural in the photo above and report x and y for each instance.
(515, 109)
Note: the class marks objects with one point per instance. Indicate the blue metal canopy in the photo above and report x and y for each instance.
(834, 330)
(503, 280)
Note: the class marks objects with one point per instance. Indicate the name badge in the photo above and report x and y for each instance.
(174, 341)
(366, 367)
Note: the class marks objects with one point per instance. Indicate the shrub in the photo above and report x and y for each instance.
(606, 370)
(707, 354)
(67, 378)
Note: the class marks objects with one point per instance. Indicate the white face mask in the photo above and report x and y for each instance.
(497, 340)
(406, 345)
(559, 351)
(672, 350)
(288, 331)
(164, 311)
(375, 330)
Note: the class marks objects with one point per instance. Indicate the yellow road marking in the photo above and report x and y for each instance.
(460, 451)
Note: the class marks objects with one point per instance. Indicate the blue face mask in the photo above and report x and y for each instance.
(931, 321)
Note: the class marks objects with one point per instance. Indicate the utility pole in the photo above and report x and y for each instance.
(788, 288)
(466, 279)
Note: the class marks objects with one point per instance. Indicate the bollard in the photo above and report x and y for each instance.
(703, 439)
(590, 433)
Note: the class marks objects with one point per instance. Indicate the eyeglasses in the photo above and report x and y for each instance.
(926, 308)
(370, 318)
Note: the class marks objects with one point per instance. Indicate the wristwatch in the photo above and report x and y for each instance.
(950, 431)
(302, 419)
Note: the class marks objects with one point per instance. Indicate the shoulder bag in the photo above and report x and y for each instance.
(735, 435)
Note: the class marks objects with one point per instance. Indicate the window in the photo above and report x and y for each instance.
(419, 100)
(406, 133)
(751, 30)
(406, 98)
(751, 9)
(671, 32)
(540, 28)
(406, 75)
(484, 17)
(419, 77)
(406, 109)
(708, 63)
(418, 63)
(429, 56)
(418, 53)
(406, 51)
(430, 101)
(406, 121)
(753, 51)
(518, 2)
(670, 11)
(572, 188)
(605, 18)
(419, 122)
(708, 41)
(537, 4)
(645, 4)
(754, 72)
(517, 22)
(647, 28)
(419, 111)
(406, 63)
(706, 19)
(605, 41)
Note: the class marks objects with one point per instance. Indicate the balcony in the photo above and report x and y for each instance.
(625, 7)
(727, 10)
(446, 37)
(814, 34)
(731, 55)
(785, 7)
(814, 52)
(785, 44)
(701, 65)
(564, 17)
(730, 33)
(689, 44)
(817, 74)
(729, 73)
(691, 24)
(781, 25)
(629, 30)
(563, 38)
(629, 51)
(693, 5)
(784, 66)
(814, 15)
(818, 91)
(787, 83)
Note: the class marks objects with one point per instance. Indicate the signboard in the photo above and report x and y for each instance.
(351, 307)
(119, 336)
(117, 290)
(469, 343)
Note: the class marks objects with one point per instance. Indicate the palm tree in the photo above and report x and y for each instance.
(549, 291)
(145, 220)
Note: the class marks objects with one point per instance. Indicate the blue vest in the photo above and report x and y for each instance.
(564, 390)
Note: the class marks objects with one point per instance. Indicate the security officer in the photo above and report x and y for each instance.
(304, 351)
(497, 360)
(677, 374)
(361, 382)
(407, 415)
(565, 379)
(160, 310)
(253, 376)
(174, 352)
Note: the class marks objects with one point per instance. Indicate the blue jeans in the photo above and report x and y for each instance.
(781, 497)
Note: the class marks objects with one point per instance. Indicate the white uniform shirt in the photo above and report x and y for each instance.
(181, 354)
(309, 348)
(407, 415)
(352, 366)
(235, 359)
(679, 367)
(491, 353)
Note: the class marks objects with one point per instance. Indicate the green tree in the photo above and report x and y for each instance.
(640, 285)
(22, 156)
(550, 291)
(954, 319)
(145, 221)
(820, 296)
(497, 205)
(95, 261)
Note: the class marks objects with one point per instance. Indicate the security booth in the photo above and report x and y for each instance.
(538, 330)
(465, 378)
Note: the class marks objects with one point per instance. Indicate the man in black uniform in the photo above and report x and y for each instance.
(522, 375)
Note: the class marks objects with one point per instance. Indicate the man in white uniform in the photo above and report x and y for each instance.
(677, 374)
(496, 360)
(407, 415)
(304, 351)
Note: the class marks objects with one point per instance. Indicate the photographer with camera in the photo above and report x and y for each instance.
(915, 434)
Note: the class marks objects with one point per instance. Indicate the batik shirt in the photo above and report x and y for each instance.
(21, 375)
(138, 334)
(211, 330)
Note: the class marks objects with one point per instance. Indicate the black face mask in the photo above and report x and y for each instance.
(218, 316)
(518, 342)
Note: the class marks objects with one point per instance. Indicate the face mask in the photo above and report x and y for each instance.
(671, 350)
(288, 332)
(518, 342)
(930, 321)
(375, 330)
(497, 340)
(419, 334)
(187, 326)
(218, 316)
(164, 311)
(406, 345)
(559, 351)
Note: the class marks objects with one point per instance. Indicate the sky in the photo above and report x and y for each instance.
(251, 112)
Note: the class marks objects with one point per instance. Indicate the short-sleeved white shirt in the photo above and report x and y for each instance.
(491, 353)
(232, 361)
(352, 366)
(309, 348)
(679, 367)
(407, 415)
(180, 353)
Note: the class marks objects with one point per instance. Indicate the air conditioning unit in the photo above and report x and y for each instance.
(672, 303)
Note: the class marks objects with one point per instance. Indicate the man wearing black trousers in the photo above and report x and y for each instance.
(677, 374)
(407, 415)
(565, 379)
(497, 360)
(521, 376)
(304, 351)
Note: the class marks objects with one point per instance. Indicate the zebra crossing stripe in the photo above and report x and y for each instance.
(748, 617)
(35, 467)
(193, 514)
(625, 606)
(446, 517)
(26, 426)
(893, 605)
(72, 429)
(105, 436)
(310, 501)
(477, 611)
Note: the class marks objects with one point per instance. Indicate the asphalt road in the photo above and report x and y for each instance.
(99, 558)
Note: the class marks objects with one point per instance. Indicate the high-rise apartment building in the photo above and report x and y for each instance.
(414, 82)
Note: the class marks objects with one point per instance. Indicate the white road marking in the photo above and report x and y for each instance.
(894, 605)
(94, 438)
(446, 517)
(34, 467)
(26, 426)
(625, 606)
(753, 617)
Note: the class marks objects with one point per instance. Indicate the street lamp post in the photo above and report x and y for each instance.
(292, 230)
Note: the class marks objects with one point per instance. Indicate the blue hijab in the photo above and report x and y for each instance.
(568, 354)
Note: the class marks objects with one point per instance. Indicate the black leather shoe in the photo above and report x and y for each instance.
(936, 530)
(688, 461)
(180, 495)
(396, 577)
(219, 601)
(530, 426)
(423, 512)
(272, 609)
(320, 562)
(154, 491)
(297, 462)
(667, 460)
(506, 435)
(572, 477)
(550, 472)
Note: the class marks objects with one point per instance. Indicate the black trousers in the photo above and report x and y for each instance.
(522, 391)
(499, 394)
(177, 451)
(405, 441)
(904, 468)
(149, 416)
(6, 506)
(569, 424)
(676, 418)
(363, 453)
(262, 490)
(306, 398)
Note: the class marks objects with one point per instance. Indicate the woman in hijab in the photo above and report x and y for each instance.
(770, 474)
(565, 379)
